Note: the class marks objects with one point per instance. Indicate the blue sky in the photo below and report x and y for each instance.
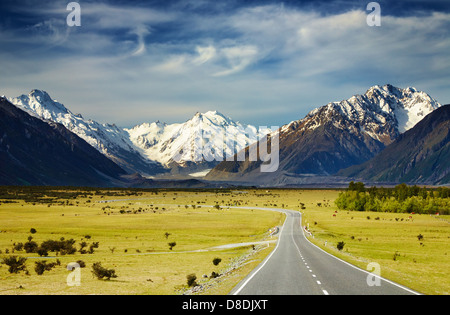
(260, 62)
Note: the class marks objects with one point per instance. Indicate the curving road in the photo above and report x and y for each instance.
(297, 267)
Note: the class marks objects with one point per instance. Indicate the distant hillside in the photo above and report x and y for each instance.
(420, 155)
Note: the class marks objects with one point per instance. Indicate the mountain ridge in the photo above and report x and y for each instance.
(420, 155)
(328, 139)
(149, 148)
(34, 152)
(338, 134)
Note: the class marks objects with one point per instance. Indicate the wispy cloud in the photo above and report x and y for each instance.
(268, 63)
(238, 58)
(205, 54)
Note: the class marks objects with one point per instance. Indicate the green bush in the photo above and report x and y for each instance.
(102, 273)
(402, 198)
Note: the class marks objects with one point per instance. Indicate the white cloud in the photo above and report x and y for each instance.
(174, 65)
(237, 58)
(205, 54)
(254, 62)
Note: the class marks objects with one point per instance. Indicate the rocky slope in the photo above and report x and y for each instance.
(338, 135)
(34, 152)
(420, 156)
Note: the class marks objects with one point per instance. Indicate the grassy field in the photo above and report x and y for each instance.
(132, 241)
(131, 235)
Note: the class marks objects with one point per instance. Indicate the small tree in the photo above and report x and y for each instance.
(15, 263)
(216, 261)
(30, 246)
(42, 266)
(340, 245)
(191, 280)
(172, 245)
(100, 272)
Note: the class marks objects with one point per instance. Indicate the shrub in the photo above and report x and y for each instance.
(100, 272)
(15, 263)
(191, 280)
(396, 254)
(92, 246)
(18, 246)
(64, 247)
(30, 247)
(340, 245)
(172, 245)
(42, 252)
(216, 261)
(42, 266)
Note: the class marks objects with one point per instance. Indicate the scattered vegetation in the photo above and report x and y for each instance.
(101, 272)
(402, 199)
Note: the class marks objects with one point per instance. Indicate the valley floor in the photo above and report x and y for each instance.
(154, 239)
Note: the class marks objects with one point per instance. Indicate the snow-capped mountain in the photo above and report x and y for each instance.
(109, 139)
(340, 134)
(151, 148)
(382, 113)
(205, 139)
(35, 152)
(421, 155)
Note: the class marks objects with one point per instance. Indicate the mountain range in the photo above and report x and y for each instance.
(336, 136)
(326, 146)
(148, 148)
(421, 155)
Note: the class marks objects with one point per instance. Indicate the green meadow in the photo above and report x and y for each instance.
(133, 230)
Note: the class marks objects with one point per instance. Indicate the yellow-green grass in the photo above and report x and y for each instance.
(422, 267)
(134, 245)
(389, 239)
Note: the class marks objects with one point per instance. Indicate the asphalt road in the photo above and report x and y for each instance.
(297, 267)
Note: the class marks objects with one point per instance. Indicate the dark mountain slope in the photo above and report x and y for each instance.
(34, 152)
(420, 155)
(337, 135)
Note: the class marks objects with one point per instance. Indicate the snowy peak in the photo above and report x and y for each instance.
(186, 142)
(40, 104)
(383, 112)
(110, 140)
(408, 106)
